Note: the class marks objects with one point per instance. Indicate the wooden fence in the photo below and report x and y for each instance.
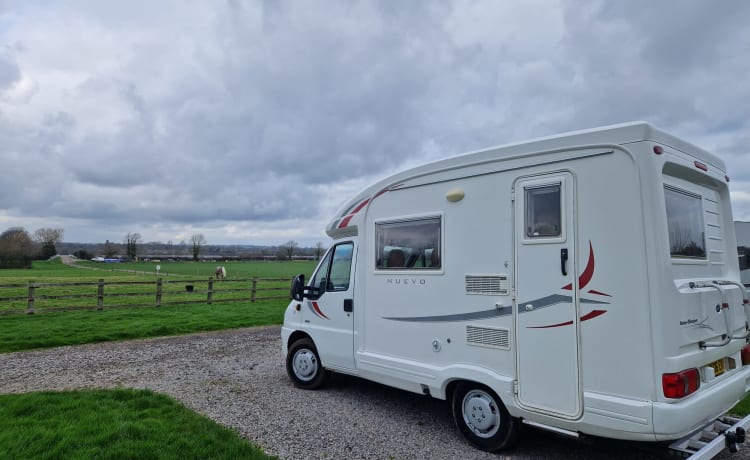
(49, 297)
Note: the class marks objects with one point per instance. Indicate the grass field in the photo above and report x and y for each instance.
(43, 330)
(114, 424)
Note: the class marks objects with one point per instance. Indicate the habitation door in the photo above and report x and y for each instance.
(546, 309)
(330, 313)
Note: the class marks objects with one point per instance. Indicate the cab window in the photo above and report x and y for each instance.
(334, 270)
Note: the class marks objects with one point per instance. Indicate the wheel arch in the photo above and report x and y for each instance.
(501, 384)
(296, 335)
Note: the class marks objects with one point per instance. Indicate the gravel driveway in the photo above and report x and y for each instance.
(237, 378)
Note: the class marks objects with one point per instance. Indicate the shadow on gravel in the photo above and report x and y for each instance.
(532, 444)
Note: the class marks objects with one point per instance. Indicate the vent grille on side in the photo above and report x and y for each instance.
(487, 284)
(488, 337)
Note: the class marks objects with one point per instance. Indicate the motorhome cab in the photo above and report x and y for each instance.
(586, 283)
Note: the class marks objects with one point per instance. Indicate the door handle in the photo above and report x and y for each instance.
(564, 261)
(348, 305)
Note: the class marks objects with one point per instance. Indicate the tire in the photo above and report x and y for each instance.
(482, 418)
(303, 365)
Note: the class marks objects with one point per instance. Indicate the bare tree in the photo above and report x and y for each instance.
(289, 248)
(131, 244)
(47, 238)
(319, 249)
(109, 249)
(198, 241)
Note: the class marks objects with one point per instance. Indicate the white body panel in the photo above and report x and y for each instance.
(583, 351)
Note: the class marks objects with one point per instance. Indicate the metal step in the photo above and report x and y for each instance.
(726, 432)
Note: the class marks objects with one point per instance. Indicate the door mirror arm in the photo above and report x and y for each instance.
(299, 291)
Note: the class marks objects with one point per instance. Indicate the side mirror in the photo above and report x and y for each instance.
(298, 288)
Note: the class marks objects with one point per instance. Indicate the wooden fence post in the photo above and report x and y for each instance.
(254, 289)
(100, 295)
(210, 291)
(32, 291)
(158, 292)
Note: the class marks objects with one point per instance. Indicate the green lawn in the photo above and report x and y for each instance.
(24, 332)
(114, 424)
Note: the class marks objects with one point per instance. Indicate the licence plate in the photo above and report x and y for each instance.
(718, 366)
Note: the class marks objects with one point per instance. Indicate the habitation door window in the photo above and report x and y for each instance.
(685, 223)
(543, 211)
(412, 244)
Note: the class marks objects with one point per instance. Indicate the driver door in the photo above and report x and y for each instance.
(329, 313)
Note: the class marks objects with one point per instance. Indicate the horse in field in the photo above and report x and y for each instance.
(220, 272)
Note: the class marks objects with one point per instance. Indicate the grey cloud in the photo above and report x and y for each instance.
(9, 71)
(248, 112)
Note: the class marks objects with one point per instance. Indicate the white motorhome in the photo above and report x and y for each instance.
(585, 283)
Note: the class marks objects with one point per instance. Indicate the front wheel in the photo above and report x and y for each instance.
(482, 418)
(303, 365)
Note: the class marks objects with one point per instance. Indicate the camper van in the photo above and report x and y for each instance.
(585, 283)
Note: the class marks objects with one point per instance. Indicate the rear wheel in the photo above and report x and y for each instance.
(482, 418)
(303, 365)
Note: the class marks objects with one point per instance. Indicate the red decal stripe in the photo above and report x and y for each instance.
(317, 310)
(588, 316)
(380, 193)
(593, 314)
(594, 291)
(566, 323)
(361, 205)
(587, 274)
(345, 221)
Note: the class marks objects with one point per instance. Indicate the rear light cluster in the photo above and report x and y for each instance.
(681, 384)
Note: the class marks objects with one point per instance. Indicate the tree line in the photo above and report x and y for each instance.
(131, 245)
(18, 248)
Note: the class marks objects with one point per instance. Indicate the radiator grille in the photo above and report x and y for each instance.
(488, 337)
(487, 284)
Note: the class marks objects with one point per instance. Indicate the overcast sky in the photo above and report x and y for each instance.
(252, 121)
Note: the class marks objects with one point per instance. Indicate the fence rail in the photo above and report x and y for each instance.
(51, 297)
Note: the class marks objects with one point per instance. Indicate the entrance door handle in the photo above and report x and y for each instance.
(564, 261)
(348, 305)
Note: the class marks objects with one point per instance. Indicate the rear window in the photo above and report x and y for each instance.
(685, 223)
